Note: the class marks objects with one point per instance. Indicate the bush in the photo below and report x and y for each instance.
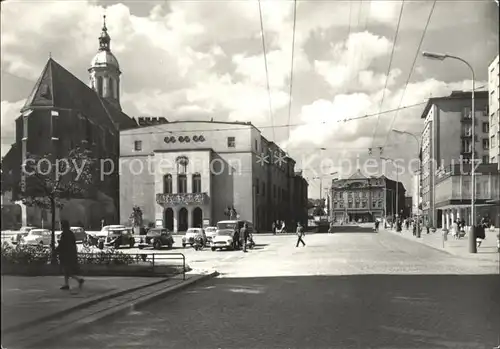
(106, 257)
(23, 254)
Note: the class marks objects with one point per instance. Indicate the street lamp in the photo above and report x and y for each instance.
(418, 186)
(441, 57)
(397, 183)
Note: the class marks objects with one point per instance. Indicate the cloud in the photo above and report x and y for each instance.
(9, 113)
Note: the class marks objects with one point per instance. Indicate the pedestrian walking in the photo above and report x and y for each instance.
(244, 236)
(68, 256)
(236, 237)
(377, 223)
(300, 235)
(274, 228)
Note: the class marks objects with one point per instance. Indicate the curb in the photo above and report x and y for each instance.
(91, 302)
(124, 308)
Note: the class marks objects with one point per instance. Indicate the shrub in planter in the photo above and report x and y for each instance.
(106, 257)
(24, 254)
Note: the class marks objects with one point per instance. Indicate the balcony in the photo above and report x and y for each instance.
(182, 199)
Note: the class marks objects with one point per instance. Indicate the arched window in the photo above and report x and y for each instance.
(167, 184)
(196, 183)
(99, 85)
(182, 184)
(111, 87)
(115, 89)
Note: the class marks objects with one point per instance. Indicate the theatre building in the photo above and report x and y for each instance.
(187, 173)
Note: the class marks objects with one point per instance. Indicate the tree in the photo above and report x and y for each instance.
(136, 216)
(49, 181)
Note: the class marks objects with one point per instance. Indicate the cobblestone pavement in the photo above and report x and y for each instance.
(346, 290)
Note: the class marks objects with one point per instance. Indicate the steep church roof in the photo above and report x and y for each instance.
(58, 88)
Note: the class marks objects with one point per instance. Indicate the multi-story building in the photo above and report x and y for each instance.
(494, 95)
(365, 198)
(62, 113)
(187, 173)
(447, 139)
(416, 195)
(453, 194)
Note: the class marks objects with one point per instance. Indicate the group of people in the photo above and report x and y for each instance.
(241, 237)
(279, 227)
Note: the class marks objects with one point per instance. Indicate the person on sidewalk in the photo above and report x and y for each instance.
(236, 237)
(377, 223)
(68, 256)
(300, 234)
(244, 236)
(274, 228)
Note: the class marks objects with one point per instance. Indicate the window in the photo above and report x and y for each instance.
(349, 204)
(231, 142)
(467, 113)
(167, 184)
(467, 130)
(486, 144)
(357, 204)
(466, 146)
(196, 183)
(99, 85)
(111, 85)
(55, 124)
(486, 127)
(257, 186)
(485, 159)
(256, 146)
(89, 131)
(137, 145)
(492, 141)
(25, 127)
(363, 204)
(182, 184)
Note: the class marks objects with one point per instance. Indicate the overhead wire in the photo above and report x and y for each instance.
(267, 70)
(276, 126)
(291, 66)
(411, 71)
(388, 74)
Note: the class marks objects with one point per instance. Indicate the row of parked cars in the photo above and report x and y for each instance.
(217, 237)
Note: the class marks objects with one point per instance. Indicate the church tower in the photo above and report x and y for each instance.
(105, 71)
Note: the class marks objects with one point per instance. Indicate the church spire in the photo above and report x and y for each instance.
(104, 39)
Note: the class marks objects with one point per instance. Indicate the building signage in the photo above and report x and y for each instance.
(181, 199)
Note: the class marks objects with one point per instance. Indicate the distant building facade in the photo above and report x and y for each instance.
(62, 113)
(192, 171)
(447, 138)
(365, 198)
(494, 95)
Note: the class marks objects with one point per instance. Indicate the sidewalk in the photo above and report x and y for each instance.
(27, 300)
(458, 247)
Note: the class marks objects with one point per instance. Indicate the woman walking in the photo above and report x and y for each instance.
(68, 256)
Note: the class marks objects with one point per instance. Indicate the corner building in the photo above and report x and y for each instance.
(186, 173)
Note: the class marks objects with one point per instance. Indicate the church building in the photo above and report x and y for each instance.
(62, 113)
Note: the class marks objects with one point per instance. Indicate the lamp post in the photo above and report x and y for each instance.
(397, 184)
(418, 186)
(472, 232)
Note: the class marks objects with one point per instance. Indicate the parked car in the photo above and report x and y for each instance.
(157, 238)
(105, 230)
(118, 237)
(20, 234)
(191, 233)
(37, 237)
(210, 232)
(79, 232)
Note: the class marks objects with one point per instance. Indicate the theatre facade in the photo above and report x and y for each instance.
(187, 174)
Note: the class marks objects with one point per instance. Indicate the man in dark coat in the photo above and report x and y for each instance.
(236, 237)
(68, 256)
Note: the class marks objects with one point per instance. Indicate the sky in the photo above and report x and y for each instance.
(204, 59)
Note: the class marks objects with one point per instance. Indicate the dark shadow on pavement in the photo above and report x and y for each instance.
(353, 311)
(353, 229)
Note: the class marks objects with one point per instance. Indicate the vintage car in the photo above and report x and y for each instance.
(157, 238)
(37, 237)
(210, 232)
(118, 237)
(79, 232)
(224, 238)
(191, 233)
(20, 234)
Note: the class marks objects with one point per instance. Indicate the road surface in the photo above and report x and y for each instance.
(347, 290)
